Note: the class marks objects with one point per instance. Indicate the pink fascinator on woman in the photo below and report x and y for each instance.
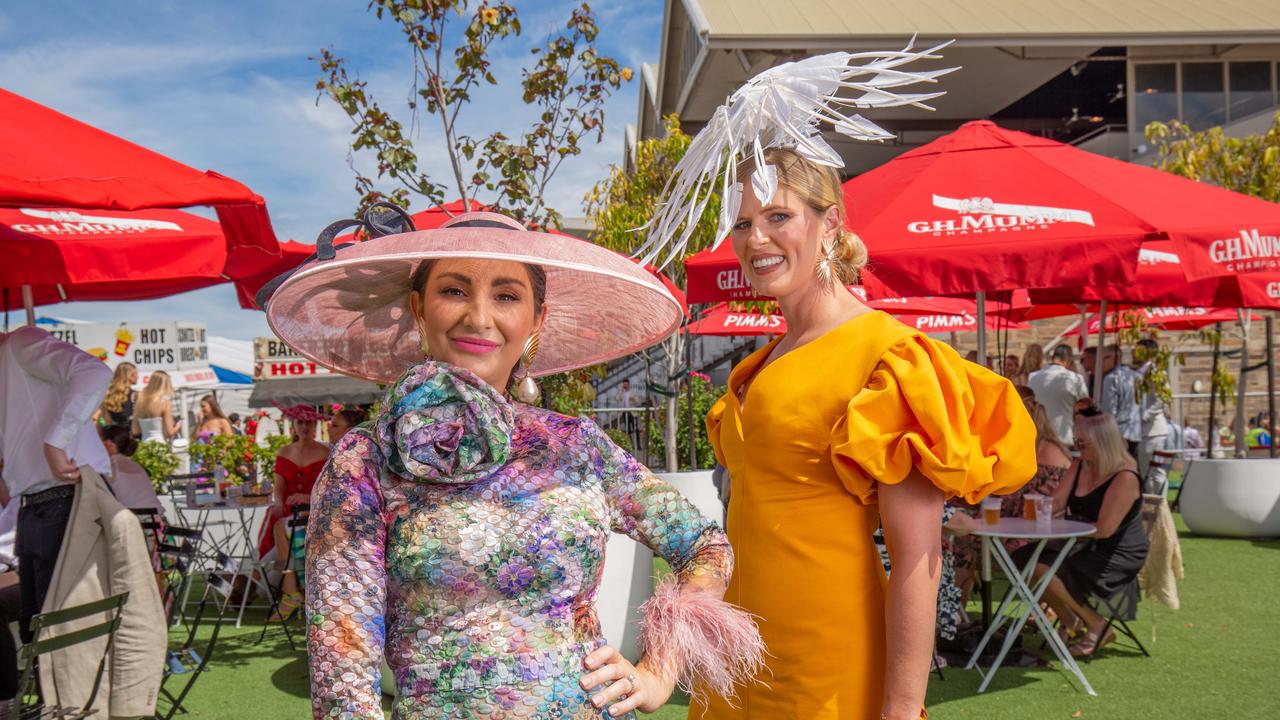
(302, 412)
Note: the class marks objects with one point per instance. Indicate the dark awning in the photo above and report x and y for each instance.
(318, 390)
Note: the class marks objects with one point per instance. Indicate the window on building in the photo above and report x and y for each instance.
(1155, 95)
(1250, 84)
(1204, 102)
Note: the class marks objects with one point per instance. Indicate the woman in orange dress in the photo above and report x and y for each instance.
(850, 421)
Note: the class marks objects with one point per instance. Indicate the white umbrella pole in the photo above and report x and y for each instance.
(1097, 358)
(29, 302)
(981, 297)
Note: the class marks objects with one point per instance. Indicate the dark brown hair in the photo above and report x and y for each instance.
(537, 278)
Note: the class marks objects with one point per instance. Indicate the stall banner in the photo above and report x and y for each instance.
(273, 360)
(179, 348)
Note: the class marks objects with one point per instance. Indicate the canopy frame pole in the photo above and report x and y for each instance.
(29, 303)
(1242, 448)
(1213, 391)
(1098, 357)
(1271, 386)
(981, 298)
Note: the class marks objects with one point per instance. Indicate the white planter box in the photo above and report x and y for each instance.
(1232, 498)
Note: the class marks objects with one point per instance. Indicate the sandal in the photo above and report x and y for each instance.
(1090, 644)
(288, 605)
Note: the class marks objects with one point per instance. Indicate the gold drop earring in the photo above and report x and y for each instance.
(527, 390)
(423, 343)
(827, 260)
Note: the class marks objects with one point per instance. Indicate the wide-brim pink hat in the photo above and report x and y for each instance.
(350, 313)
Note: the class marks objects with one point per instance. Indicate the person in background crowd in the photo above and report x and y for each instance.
(237, 426)
(1104, 490)
(1089, 362)
(212, 420)
(1032, 360)
(971, 356)
(117, 405)
(628, 398)
(1154, 422)
(1012, 367)
(130, 483)
(1120, 397)
(343, 421)
(1257, 435)
(153, 415)
(298, 464)
(1058, 388)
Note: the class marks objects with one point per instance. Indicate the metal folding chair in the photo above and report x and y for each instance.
(32, 705)
(191, 659)
(297, 537)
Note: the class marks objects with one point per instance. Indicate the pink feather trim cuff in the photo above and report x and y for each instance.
(712, 644)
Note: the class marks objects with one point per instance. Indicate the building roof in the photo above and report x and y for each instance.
(1014, 21)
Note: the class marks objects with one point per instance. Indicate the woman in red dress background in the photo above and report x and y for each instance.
(298, 464)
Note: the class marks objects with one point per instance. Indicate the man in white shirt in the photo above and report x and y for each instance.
(49, 390)
(1058, 388)
(1155, 425)
(1120, 397)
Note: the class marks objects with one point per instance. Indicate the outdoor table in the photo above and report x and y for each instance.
(1020, 590)
(239, 542)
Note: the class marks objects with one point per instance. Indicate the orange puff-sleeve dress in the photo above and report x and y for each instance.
(823, 426)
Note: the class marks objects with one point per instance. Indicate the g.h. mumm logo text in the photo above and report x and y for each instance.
(984, 215)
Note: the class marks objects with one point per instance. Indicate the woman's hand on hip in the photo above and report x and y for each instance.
(616, 684)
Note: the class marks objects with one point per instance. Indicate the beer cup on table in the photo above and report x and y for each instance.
(991, 511)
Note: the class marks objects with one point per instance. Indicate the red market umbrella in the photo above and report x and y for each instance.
(48, 159)
(1169, 318)
(1160, 281)
(985, 209)
(70, 255)
(723, 319)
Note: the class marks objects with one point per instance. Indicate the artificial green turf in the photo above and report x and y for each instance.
(1214, 658)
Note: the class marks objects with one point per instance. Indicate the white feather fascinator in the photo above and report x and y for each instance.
(785, 106)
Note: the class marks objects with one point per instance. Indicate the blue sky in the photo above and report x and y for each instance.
(229, 86)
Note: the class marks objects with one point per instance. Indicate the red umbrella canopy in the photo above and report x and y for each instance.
(1160, 281)
(67, 255)
(991, 209)
(50, 159)
(730, 319)
(1169, 318)
(982, 209)
(723, 319)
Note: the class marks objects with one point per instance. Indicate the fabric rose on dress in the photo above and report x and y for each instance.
(442, 424)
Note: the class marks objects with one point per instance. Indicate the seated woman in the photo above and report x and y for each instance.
(129, 481)
(1052, 461)
(1104, 490)
(298, 464)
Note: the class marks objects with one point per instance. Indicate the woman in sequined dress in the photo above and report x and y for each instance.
(460, 533)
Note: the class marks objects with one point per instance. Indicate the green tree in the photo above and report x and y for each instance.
(704, 395)
(1249, 165)
(624, 202)
(568, 81)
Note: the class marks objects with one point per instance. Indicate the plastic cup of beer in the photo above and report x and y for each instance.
(1044, 510)
(1029, 506)
(991, 511)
